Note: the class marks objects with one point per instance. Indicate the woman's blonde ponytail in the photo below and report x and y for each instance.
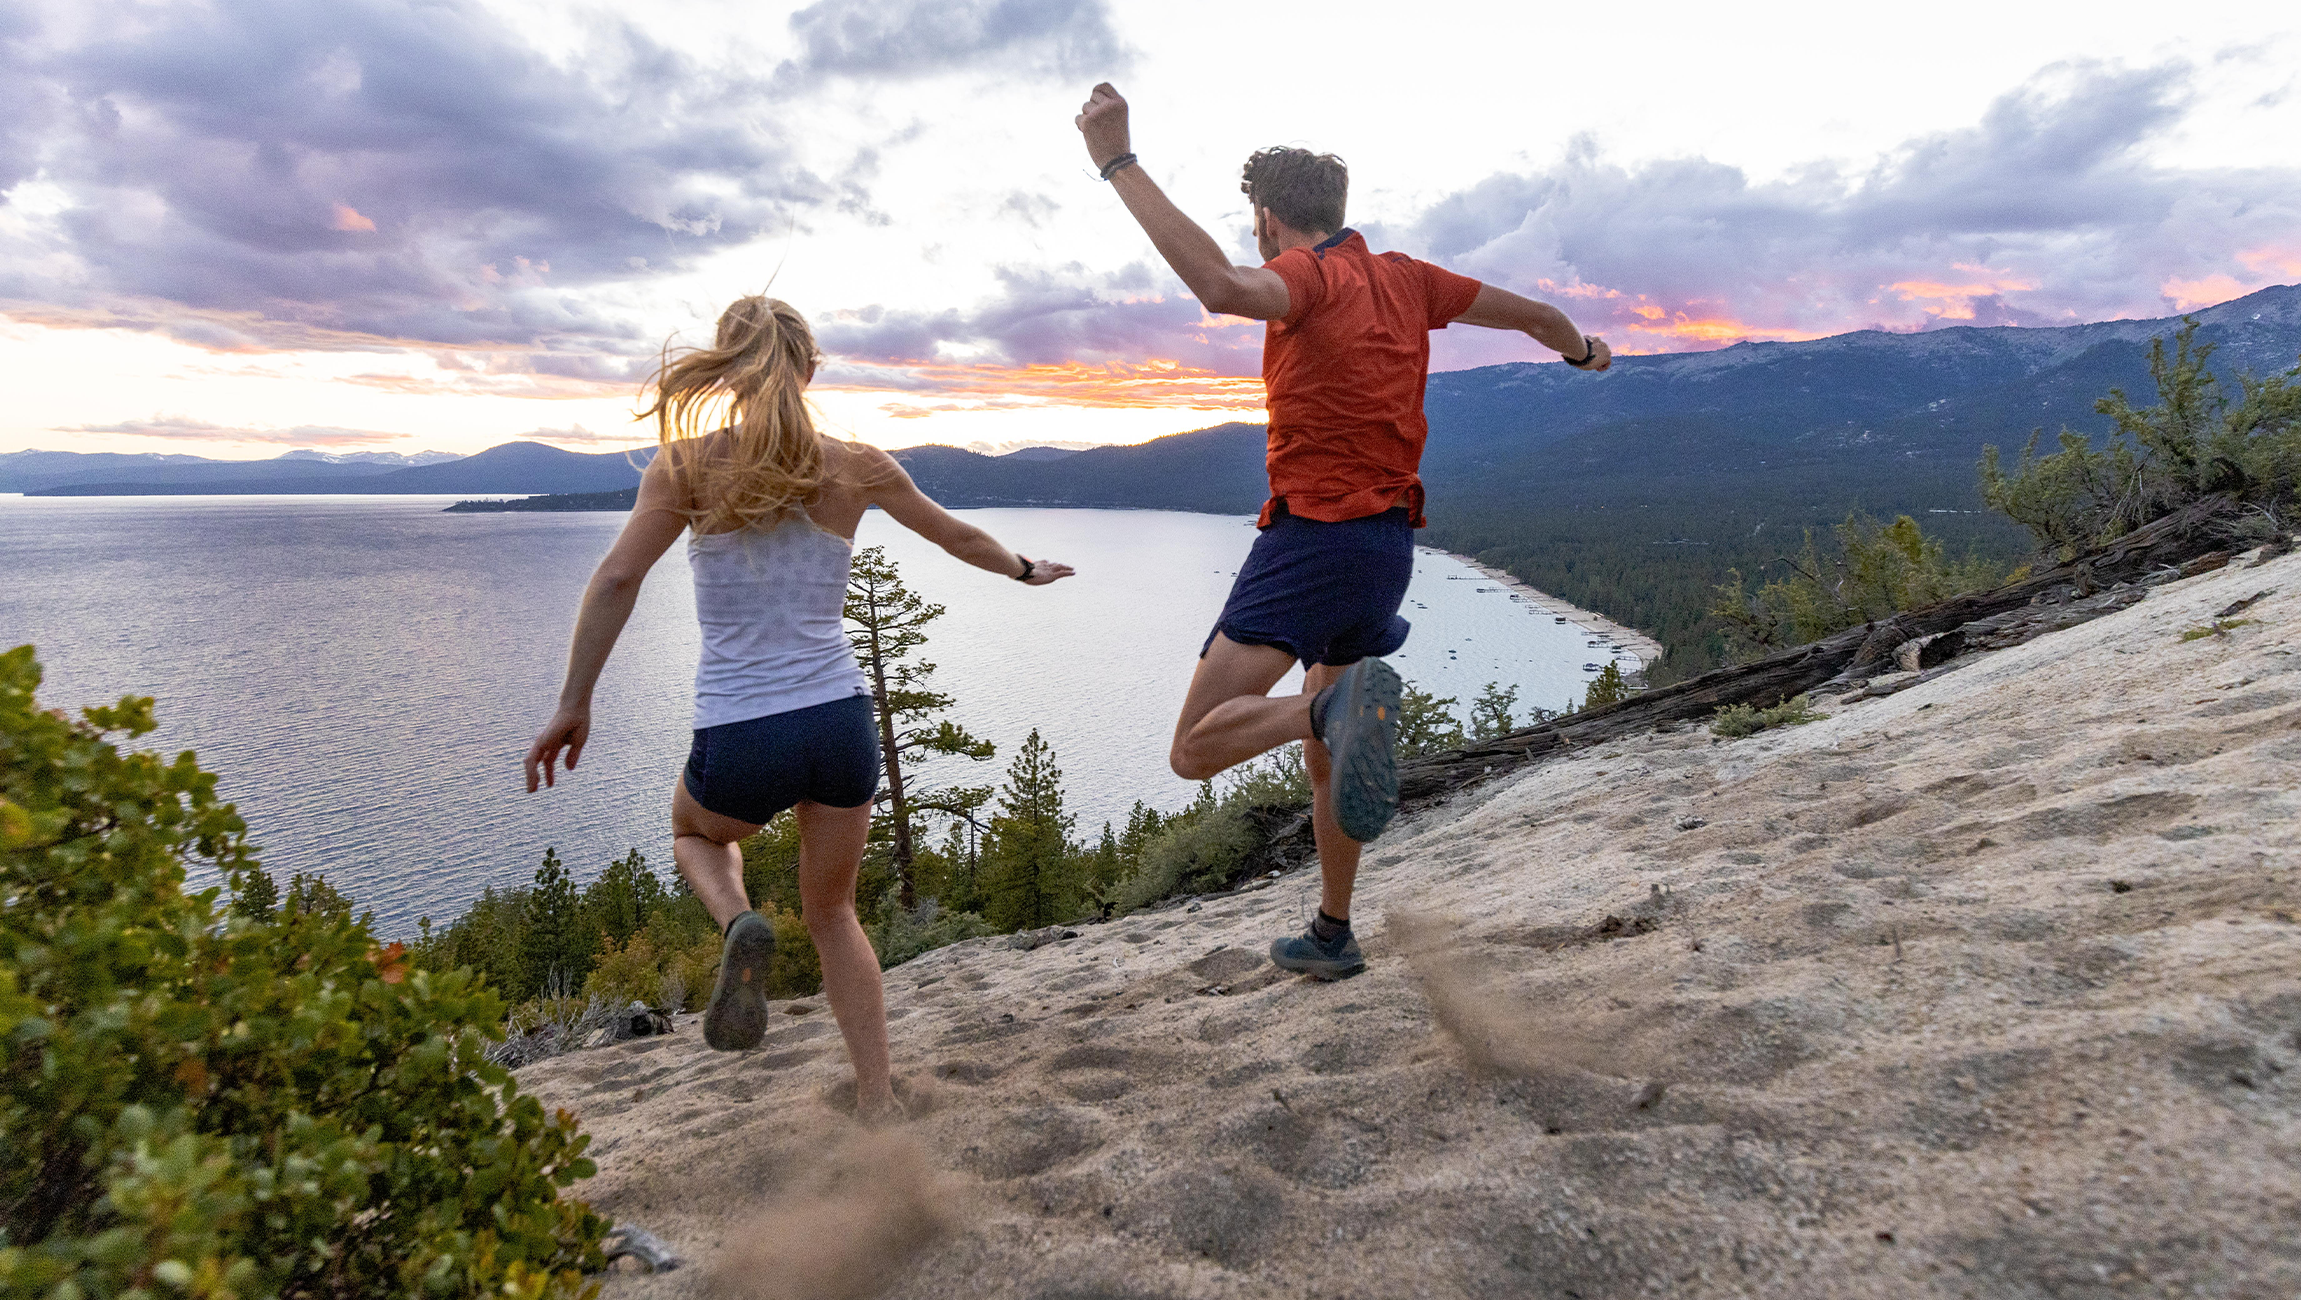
(771, 460)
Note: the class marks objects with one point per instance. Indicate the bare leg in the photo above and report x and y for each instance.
(703, 846)
(1229, 717)
(1337, 852)
(830, 857)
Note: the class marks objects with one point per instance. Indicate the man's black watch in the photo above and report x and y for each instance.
(1589, 353)
(1028, 569)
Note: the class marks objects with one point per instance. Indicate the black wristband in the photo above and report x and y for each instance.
(1118, 164)
(1028, 569)
(1589, 353)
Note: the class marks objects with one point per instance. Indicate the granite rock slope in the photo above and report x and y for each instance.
(1988, 987)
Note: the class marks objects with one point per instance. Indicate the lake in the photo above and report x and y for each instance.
(366, 672)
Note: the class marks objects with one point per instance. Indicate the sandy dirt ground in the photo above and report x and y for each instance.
(1991, 987)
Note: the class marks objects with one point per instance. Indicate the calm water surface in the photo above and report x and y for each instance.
(365, 673)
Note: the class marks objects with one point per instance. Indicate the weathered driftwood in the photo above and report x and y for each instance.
(2176, 545)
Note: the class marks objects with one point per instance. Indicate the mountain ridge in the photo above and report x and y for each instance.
(519, 466)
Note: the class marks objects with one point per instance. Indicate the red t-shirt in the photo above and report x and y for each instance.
(1343, 374)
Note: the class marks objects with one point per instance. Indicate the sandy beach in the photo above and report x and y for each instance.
(1638, 643)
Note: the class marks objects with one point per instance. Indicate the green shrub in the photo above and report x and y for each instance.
(2196, 442)
(1876, 572)
(1739, 720)
(2218, 627)
(229, 1105)
(900, 935)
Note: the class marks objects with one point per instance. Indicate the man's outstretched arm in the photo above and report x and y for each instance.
(1501, 309)
(1249, 291)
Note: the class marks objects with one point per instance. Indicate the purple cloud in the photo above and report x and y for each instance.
(267, 173)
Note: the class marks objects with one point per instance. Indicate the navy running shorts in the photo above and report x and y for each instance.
(756, 768)
(1324, 593)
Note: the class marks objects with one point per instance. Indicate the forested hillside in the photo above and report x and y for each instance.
(1634, 492)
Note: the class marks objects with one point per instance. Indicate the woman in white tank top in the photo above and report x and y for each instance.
(782, 715)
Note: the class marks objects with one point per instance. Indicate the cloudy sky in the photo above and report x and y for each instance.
(233, 227)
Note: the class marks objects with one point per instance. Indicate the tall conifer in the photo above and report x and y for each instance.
(886, 622)
(1029, 859)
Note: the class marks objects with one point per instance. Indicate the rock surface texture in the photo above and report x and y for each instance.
(1987, 987)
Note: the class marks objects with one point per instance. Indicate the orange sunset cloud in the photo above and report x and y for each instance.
(1113, 385)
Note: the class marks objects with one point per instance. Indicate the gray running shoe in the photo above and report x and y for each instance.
(737, 1016)
(1327, 961)
(1361, 733)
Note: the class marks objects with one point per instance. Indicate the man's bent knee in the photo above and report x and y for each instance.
(1188, 764)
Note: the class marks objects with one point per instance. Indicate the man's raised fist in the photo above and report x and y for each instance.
(1103, 121)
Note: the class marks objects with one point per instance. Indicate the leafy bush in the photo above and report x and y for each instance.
(1198, 847)
(1738, 720)
(899, 934)
(627, 972)
(2194, 443)
(1877, 572)
(228, 1105)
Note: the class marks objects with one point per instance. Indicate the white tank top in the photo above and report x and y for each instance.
(770, 601)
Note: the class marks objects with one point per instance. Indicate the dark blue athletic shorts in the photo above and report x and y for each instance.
(1324, 593)
(756, 768)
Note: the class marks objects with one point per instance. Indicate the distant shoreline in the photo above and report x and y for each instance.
(550, 502)
(1646, 648)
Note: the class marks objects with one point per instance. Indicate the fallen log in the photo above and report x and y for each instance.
(2188, 541)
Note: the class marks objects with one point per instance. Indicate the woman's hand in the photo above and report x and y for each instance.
(1045, 571)
(568, 729)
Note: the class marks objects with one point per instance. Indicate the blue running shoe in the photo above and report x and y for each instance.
(1362, 734)
(737, 1016)
(1305, 955)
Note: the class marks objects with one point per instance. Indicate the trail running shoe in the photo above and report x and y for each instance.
(1338, 960)
(1361, 733)
(737, 1016)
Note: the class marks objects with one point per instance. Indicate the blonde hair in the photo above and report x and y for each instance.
(771, 460)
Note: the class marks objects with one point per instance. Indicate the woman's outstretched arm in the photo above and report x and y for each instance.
(893, 491)
(656, 522)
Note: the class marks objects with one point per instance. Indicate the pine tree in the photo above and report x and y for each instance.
(313, 896)
(958, 884)
(256, 896)
(1607, 687)
(1029, 857)
(887, 621)
(617, 905)
(551, 947)
(1426, 723)
(1490, 713)
(1143, 824)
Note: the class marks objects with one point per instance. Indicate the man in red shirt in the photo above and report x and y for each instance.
(1343, 363)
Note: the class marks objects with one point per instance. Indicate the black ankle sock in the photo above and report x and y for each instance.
(1319, 704)
(1327, 929)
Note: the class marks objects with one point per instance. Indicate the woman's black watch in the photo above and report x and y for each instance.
(1589, 353)
(1028, 569)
